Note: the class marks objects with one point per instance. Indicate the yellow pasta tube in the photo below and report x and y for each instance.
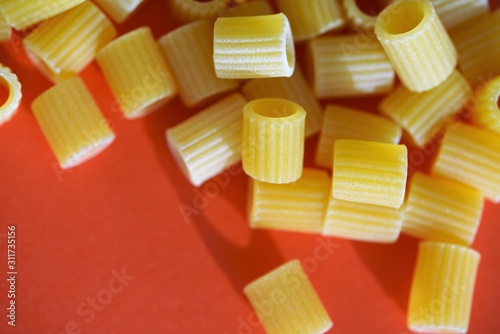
(362, 222)
(294, 89)
(424, 114)
(285, 302)
(348, 65)
(442, 210)
(252, 8)
(67, 43)
(347, 123)
(190, 47)
(477, 43)
(210, 141)
(137, 73)
(72, 122)
(472, 156)
(356, 17)
(452, 12)
(309, 19)
(25, 13)
(9, 107)
(298, 206)
(273, 140)
(485, 111)
(442, 288)
(369, 172)
(416, 43)
(253, 47)
(119, 10)
(5, 30)
(186, 11)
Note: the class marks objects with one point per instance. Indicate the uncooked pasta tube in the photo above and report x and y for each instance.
(252, 8)
(485, 111)
(453, 12)
(9, 107)
(119, 10)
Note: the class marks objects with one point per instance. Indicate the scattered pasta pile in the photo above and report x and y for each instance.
(236, 61)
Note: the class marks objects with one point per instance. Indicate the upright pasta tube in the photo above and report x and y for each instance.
(285, 302)
(347, 123)
(72, 122)
(452, 12)
(253, 47)
(423, 115)
(477, 43)
(21, 14)
(442, 210)
(67, 43)
(348, 65)
(362, 222)
(309, 19)
(472, 156)
(273, 140)
(416, 43)
(294, 89)
(298, 206)
(189, 50)
(485, 111)
(442, 288)
(210, 141)
(10, 81)
(119, 10)
(137, 73)
(369, 172)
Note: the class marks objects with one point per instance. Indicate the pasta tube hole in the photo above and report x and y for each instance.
(273, 108)
(5, 92)
(372, 8)
(403, 17)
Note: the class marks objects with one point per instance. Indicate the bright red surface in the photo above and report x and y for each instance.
(77, 229)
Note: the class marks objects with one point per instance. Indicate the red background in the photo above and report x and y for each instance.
(76, 228)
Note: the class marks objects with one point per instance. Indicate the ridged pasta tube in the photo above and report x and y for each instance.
(10, 81)
(119, 10)
(273, 140)
(416, 43)
(253, 47)
(485, 111)
(252, 8)
(453, 12)
(186, 11)
(357, 18)
(5, 30)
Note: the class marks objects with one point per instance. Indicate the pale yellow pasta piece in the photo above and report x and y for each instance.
(273, 140)
(298, 206)
(67, 43)
(362, 222)
(348, 65)
(72, 122)
(356, 17)
(453, 12)
(347, 123)
(442, 210)
(137, 73)
(5, 30)
(210, 141)
(252, 8)
(424, 114)
(369, 172)
(11, 83)
(416, 43)
(188, 50)
(309, 19)
(295, 89)
(285, 302)
(119, 10)
(484, 110)
(186, 11)
(477, 43)
(442, 288)
(472, 156)
(21, 14)
(253, 47)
